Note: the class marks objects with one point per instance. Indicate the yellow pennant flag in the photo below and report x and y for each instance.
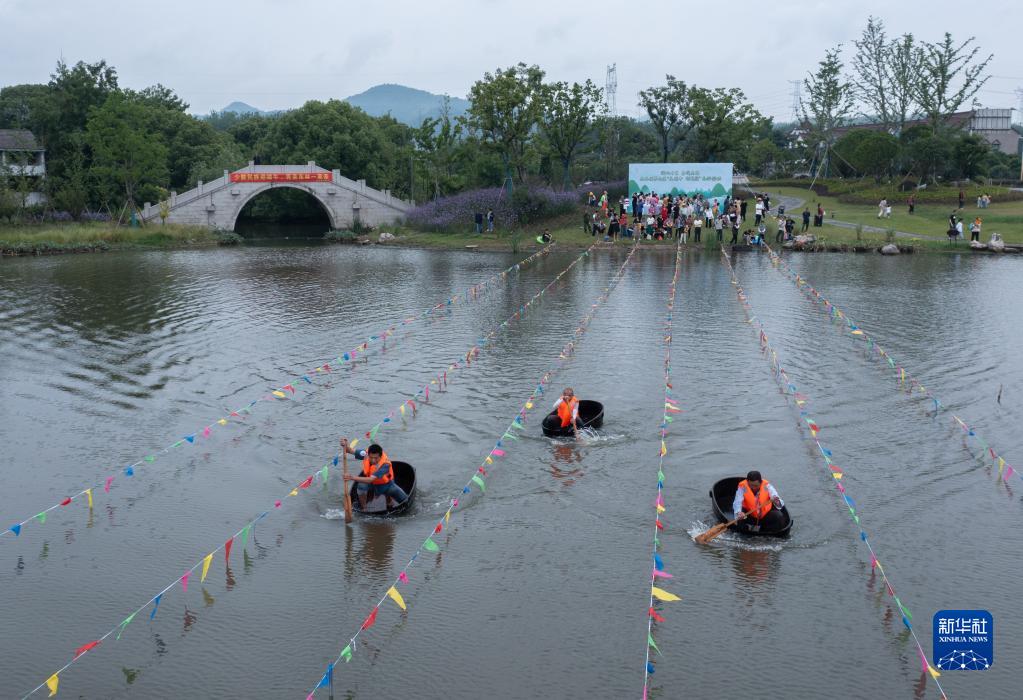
(529, 404)
(447, 516)
(488, 460)
(294, 492)
(52, 682)
(222, 421)
(664, 448)
(278, 394)
(396, 597)
(1001, 465)
(353, 443)
(402, 409)
(662, 594)
(88, 492)
(661, 509)
(206, 566)
(933, 671)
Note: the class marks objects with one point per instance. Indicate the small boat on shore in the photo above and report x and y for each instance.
(721, 496)
(591, 415)
(405, 477)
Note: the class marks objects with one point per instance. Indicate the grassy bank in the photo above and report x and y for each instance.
(929, 219)
(43, 239)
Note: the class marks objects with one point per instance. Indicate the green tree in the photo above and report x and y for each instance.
(667, 107)
(950, 76)
(126, 156)
(829, 99)
(70, 191)
(903, 72)
(970, 155)
(925, 150)
(566, 118)
(724, 124)
(504, 111)
(871, 67)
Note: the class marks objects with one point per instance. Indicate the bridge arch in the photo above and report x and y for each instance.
(256, 192)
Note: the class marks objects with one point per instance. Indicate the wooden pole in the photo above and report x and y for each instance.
(347, 487)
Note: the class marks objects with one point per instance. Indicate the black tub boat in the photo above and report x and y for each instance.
(591, 415)
(404, 476)
(722, 495)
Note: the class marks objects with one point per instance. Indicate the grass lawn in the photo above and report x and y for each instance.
(929, 219)
(43, 238)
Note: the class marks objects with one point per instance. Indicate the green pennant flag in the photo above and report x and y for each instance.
(124, 624)
(373, 432)
(177, 444)
(245, 535)
(430, 545)
(660, 475)
(479, 482)
(150, 458)
(650, 641)
(324, 473)
(346, 653)
(509, 436)
(518, 424)
(41, 517)
(904, 611)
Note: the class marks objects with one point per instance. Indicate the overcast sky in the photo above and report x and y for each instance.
(278, 54)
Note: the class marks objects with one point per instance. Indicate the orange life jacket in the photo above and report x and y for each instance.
(368, 469)
(759, 504)
(565, 411)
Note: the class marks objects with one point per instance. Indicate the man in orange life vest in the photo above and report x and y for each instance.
(377, 475)
(758, 501)
(568, 410)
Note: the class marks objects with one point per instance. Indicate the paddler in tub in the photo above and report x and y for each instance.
(568, 410)
(377, 476)
(545, 237)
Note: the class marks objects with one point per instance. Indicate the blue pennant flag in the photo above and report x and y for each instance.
(325, 681)
(16, 529)
(190, 438)
(129, 471)
(649, 667)
(658, 562)
(156, 604)
(335, 460)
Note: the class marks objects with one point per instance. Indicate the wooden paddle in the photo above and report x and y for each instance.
(705, 537)
(346, 486)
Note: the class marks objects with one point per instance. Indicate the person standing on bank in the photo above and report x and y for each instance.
(478, 220)
(806, 220)
(758, 501)
(490, 220)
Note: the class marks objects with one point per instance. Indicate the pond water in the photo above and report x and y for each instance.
(540, 586)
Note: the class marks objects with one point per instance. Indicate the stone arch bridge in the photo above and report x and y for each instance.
(217, 204)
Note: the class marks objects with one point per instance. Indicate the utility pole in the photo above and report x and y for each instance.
(1019, 144)
(610, 101)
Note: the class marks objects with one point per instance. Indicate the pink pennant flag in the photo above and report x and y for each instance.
(403, 577)
(277, 504)
(498, 453)
(106, 486)
(206, 432)
(1009, 471)
(662, 574)
(184, 581)
(873, 561)
(289, 387)
(454, 503)
(923, 659)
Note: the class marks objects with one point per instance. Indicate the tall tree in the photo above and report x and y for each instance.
(566, 118)
(126, 154)
(942, 66)
(505, 108)
(723, 121)
(903, 72)
(666, 106)
(830, 99)
(871, 66)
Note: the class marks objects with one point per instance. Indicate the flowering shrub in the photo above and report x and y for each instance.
(525, 206)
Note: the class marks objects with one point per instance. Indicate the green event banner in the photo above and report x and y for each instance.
(712, 180)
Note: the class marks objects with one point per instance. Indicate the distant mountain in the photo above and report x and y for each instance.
(242, 108)
(407, 105)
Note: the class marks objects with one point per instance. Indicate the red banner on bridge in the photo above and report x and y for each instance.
(279, 177)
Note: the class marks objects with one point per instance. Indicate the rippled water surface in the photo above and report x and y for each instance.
(540, 586)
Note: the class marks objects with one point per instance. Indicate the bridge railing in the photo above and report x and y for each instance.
(203, 189)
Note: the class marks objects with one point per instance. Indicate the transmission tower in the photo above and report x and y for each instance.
(611, 90)
(797, 99)
(610, 101)
(1019, 94)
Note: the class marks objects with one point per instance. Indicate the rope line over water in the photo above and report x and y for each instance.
(321, 477)
(281, 393)
(902, 375)
(669, 407)
(836, 472)
(477, 479)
